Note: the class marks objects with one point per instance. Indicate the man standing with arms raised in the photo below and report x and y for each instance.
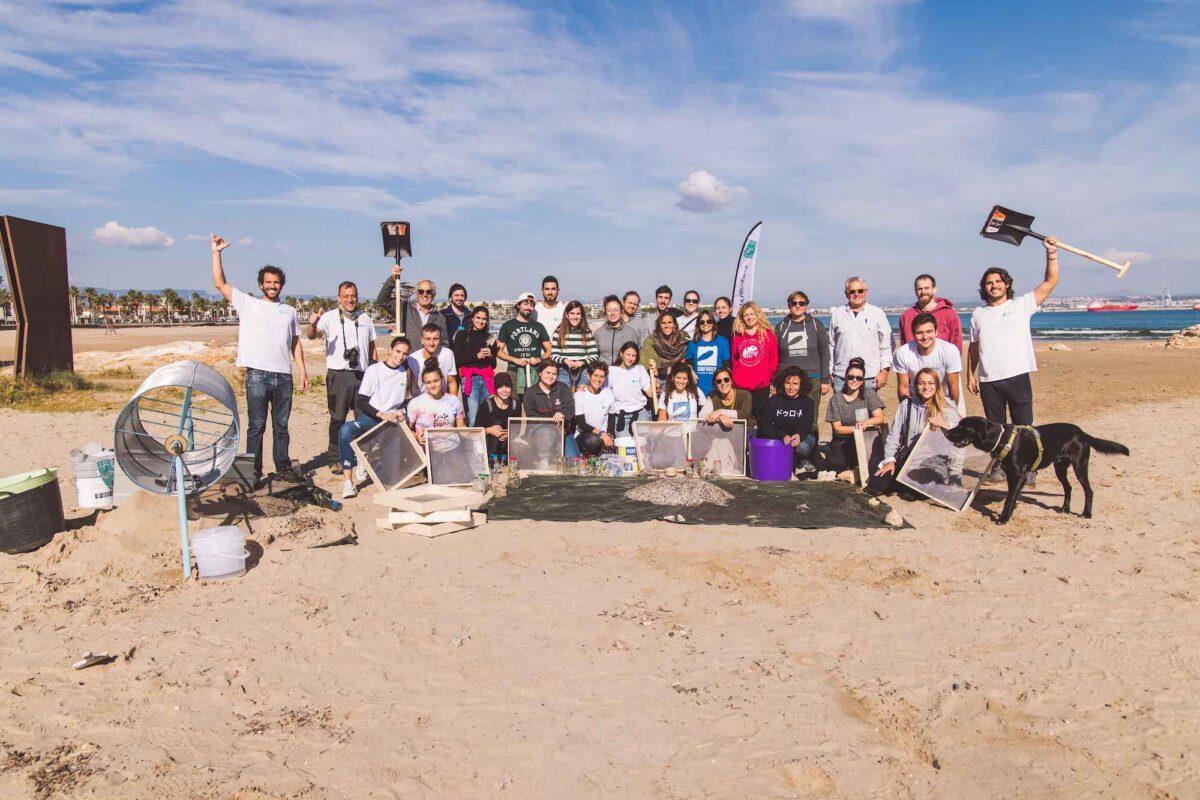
(860, 329)
(268, 340)
(415, 314)
(549, 312)
(949, 326)
(349, 349)
(523, 342)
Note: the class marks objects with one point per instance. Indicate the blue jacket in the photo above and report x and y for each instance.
(705, 358)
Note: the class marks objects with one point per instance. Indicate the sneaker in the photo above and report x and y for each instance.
(995, 476)
(360, 474)
(349, 489)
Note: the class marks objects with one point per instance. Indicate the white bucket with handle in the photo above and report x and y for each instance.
(220, 552)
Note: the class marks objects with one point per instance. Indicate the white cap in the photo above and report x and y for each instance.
(525, 296)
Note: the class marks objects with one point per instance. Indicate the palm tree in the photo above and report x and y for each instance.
(90, 296)
(73, 291)
(5, 301)
(170, 299)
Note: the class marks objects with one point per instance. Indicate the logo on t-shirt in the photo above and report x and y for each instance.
(751, 354)
(797, 342)
(524, 339)
(680, 409)
(706, 358)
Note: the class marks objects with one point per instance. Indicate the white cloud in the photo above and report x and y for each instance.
(1132, 256)
(198, 237)
(246, 241)
(147, 238)
(701, 192)
(851, 13)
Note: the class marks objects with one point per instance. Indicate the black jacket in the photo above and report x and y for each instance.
(785, 416)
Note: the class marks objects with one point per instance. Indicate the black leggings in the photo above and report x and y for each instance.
(758, 402)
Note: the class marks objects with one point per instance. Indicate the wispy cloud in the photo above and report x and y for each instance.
(114, 234)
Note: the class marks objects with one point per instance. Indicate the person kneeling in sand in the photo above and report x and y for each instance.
(385, 388)
(789, 416)
(550, 398)
(930, 406)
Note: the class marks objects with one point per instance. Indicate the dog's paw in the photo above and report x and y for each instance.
(1063, 510)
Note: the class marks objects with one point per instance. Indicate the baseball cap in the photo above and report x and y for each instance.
(525, 296)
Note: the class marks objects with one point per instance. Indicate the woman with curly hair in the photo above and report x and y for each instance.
(755, 355)
(665, 347)
(789, 416)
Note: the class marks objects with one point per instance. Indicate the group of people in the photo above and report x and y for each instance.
(445, 368)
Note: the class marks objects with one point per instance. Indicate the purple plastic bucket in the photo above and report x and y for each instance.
(770, 460)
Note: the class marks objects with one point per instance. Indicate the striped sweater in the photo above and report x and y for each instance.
(575, 348)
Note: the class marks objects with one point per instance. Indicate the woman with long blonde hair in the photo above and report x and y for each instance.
(755, 354)
(926, 406)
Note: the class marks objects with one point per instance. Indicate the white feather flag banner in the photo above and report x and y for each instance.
(743, 278)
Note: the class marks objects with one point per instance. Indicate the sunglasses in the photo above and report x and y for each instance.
(424, 291)
(797, 304)
(853, 378)
(856, 291)
(705, 322)
(691, 299)
(722, 381)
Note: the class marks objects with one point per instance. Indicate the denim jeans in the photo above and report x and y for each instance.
(564, 376)
(475, 399)
(805, 449)
(570, 446)
(351, 430)
(268, 390)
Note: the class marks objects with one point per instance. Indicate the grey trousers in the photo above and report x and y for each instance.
(341, 385)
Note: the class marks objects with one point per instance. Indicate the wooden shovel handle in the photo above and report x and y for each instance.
(1120, 268)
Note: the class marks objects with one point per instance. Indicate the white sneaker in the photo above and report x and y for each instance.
(349, 489)
(360, 474)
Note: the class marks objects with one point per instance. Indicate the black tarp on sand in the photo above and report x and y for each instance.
(790, 504)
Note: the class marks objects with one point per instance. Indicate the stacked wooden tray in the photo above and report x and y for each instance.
(431, 510)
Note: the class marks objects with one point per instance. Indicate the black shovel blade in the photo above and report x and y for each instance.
(397, 239)
(1006, 225)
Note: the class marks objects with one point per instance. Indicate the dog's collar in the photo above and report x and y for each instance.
(1012, 439)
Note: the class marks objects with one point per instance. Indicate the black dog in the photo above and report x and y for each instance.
(1017, 447)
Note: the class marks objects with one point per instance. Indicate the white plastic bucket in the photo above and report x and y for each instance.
(92, 471)
(220, 552)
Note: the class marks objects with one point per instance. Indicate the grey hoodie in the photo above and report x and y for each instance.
(805, 345)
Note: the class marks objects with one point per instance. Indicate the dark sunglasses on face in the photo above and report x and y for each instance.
(722, 381)
(856, 291)
(424, 291)
(705, 322)
(797, 304)
(691, 299)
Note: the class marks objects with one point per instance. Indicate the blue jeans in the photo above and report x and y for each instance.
(268, 390)
(351, 430)
(804, 449)
(475, 399)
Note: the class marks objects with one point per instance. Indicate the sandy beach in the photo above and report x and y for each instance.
(1052, 657)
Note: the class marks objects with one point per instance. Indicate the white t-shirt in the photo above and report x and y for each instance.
(416, 362)
(944, 359)
(1005, 343)
(425, 412)
(360, 332)
(385, 387)
(628, 388)
(594, 407)
(687, 323)
(550, 317)
(682, 406)
(266, 332)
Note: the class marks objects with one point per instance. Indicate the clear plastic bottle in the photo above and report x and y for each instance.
(716, 468)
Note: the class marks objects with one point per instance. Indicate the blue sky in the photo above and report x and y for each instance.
(615, 145)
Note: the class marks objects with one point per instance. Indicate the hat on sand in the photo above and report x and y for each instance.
(525, 296)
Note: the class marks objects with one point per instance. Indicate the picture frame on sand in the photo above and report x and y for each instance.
(712, 442)
(535, 444)
(948, 475)
(661, 445)
(390, 454)
(455, 455)
(868, 447)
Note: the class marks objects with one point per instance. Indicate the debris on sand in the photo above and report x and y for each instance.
(679, 492)
(1188, 337)
(894, 519)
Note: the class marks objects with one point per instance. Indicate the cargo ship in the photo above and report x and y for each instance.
(1104, 305)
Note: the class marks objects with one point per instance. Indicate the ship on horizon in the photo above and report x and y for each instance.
(1104, 305)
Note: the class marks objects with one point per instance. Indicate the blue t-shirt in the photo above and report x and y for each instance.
(706, 358)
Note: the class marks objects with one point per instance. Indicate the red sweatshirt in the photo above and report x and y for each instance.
(755, 360)
(949, 326)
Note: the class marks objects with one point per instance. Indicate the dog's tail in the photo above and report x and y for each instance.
(1107, 447)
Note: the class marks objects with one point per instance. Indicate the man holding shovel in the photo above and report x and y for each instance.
(1001, 347)
(416, 313)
